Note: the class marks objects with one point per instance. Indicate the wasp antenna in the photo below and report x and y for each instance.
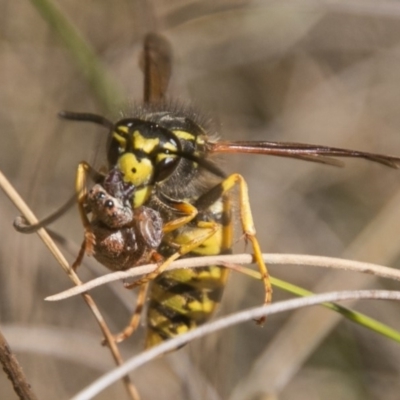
(208, 165)
(22, 226)
(86, 117)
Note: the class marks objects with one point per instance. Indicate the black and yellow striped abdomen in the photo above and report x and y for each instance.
(181, 300)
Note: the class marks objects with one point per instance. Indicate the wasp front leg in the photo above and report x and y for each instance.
(82, 173)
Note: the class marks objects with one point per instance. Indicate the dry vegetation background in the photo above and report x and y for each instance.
(321, 72)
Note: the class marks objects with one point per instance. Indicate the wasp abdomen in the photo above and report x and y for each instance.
(183, 299)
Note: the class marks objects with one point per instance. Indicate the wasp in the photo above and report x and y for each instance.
(164, 194)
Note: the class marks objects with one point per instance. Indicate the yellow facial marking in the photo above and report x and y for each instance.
(145, 144)
(137, 172)
(120, 139)
(142, 195)
(123, 128)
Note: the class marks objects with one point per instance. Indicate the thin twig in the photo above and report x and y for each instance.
(252, 314)
(227, 260)
(14, 371)
(351, 315)
(44, 236)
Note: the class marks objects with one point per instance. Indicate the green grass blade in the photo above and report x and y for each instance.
(82, 53)
(355, 316)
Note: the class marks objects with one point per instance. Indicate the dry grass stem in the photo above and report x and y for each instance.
(48, 241)
(252, 314)
(228, 260)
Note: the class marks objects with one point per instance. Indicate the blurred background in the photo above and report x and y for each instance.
(323, 72)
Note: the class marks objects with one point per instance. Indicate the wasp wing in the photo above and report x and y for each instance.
(307, 152)
(155, 62)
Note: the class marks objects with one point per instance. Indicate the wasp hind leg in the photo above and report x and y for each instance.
(246, 218)
(135, 319)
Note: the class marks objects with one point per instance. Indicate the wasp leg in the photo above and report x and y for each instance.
(82, 173)
(135, 319)
(186, 243)
(218, 191)
(23, 226)
(184, 208)
(80, 256)
(190, 213)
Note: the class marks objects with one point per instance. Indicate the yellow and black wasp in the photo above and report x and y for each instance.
(175, 199)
